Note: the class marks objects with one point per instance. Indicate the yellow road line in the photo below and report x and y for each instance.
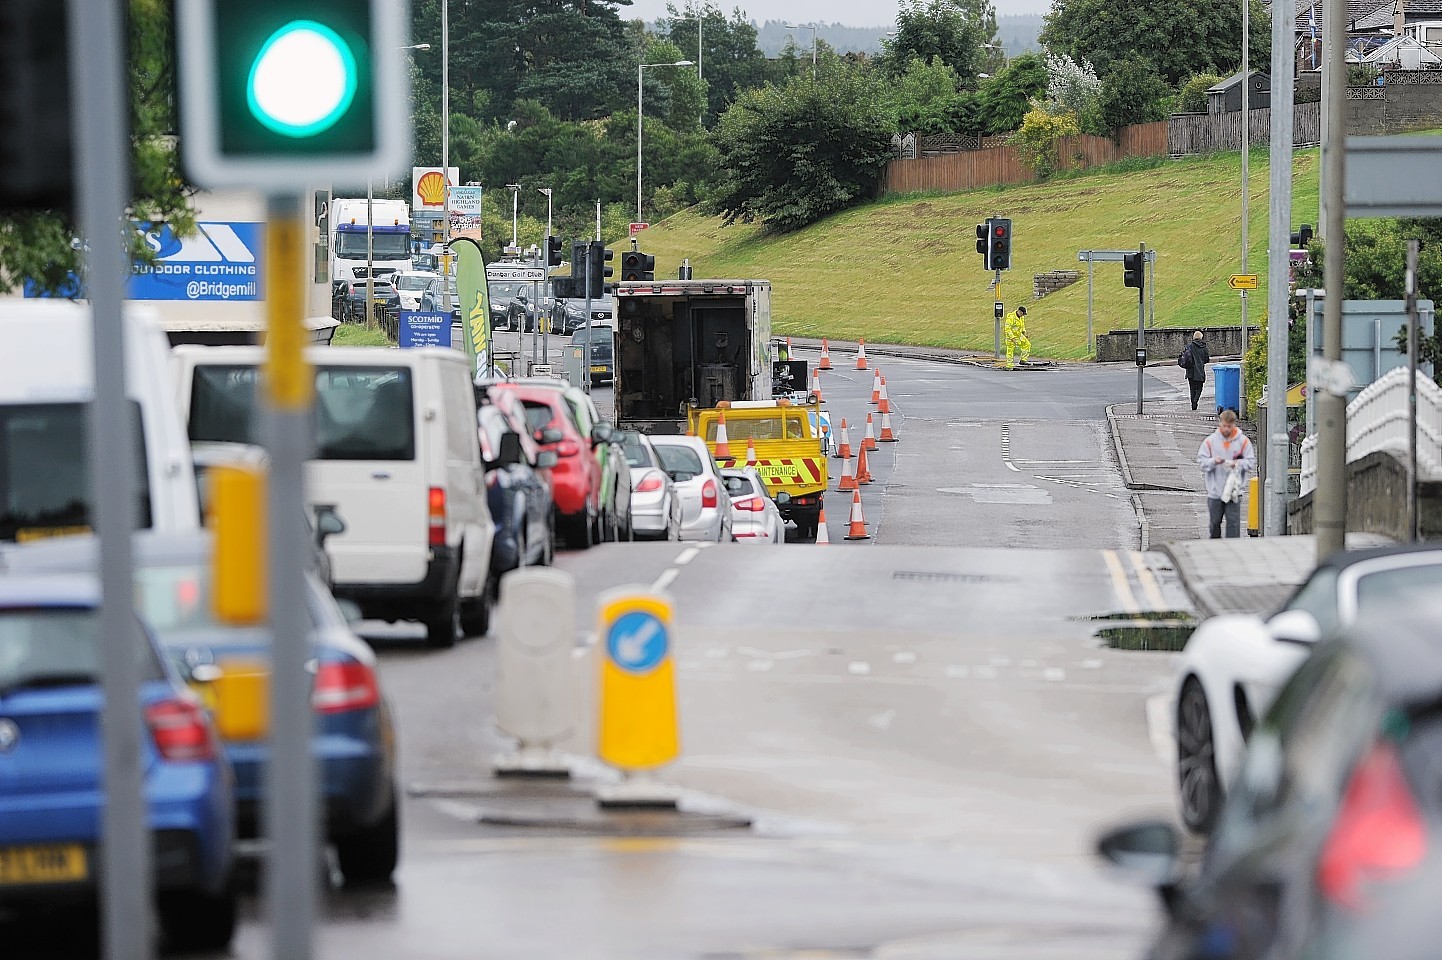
(1148, 580)
(1120, 584)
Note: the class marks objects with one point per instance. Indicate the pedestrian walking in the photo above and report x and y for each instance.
(1016, 336)
(1194, 360)
(1226, 457)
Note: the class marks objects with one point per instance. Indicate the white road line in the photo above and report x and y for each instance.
(686, 556)
(1006, 448)
(665, 579)
(1150, 587)
(1120, 585)
(1159, 728)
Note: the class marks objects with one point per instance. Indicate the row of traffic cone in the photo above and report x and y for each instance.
(825, 363)
(856, 528)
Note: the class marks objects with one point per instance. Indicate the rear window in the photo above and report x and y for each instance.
(679, 460)
(361, 413)
(760, 428)
(45, 472)
(50, 647)
(1388, 590)
(738, 486)
(538, 414)
(635, 448)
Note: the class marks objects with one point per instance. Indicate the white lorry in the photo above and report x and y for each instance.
(390, 237)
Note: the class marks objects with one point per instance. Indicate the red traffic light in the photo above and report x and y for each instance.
(999, 230)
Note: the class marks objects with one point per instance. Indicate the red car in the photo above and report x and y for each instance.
(591, 481)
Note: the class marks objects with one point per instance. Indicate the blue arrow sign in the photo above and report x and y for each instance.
(637, 642)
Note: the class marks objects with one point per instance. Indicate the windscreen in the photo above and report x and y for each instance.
(45, 474)
(507, 289)
(351, 245)
(58, 646)
(760, 428)
(1387, 590)
(412, 283)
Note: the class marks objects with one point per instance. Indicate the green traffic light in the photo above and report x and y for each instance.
(302, 81)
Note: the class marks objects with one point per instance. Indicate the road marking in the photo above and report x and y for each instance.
(958, 672)
(1063, 462)
(882, 720)
(1149, 583)
(1053, 674)
(1159, 728)
(665, 579)
(859, 668)
(903, 656)
(1006, 448)
(686, 556)
(1120, 585)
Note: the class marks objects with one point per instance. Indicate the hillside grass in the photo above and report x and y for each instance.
(904, 269)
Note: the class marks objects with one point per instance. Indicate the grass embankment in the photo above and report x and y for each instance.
(905, 268)
(356, 335)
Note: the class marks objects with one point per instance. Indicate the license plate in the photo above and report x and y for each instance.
(598, 369)
(61, 863)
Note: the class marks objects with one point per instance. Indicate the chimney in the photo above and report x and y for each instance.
(1399, 17)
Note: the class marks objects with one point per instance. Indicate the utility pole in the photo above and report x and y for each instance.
(370, 253)
(1141, 330)
(1414, 526)
(1329, 501)
(1246, 196)
(1278, 261)
(446, 156)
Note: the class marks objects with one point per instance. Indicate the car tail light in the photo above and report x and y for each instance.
(1378, 834)
(751, 504)
(181, 730)
(708, 494)
(650, 484)
(344, 685)
(568, 448)
(436, 516)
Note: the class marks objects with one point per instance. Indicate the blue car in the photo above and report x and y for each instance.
(51, 799)
(518, 491)
(355, 740)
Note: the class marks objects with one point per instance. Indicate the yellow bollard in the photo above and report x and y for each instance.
(1254, 507)
(638, 726)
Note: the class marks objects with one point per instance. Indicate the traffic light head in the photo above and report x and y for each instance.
(1134, 271)
(35, 156)
(598, 269)
(1302, 237)
(983, 238)
(277, 92)
(553, 252)
(637, 266)
(1000, 258)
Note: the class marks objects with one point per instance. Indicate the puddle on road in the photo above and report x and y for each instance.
(1162, 630)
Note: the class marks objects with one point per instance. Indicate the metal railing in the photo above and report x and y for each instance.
(1377, 420)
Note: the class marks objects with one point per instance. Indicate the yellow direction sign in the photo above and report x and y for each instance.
(1242, 281)
(637, 729)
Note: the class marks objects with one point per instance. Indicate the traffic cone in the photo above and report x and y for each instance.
(816, 383)
(750, 452)
(825, 363)
(788, 348)
(861, 356)
(883, 402)
(844, 452)
(863, 472)
(848, 477)
(822, 536)
(868, 442)
(723, 445)
(857, 530)
(876, 385)
(887, 434)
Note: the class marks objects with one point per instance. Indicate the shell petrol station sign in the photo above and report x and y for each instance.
(428, 187)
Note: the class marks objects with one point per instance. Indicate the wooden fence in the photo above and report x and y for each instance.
(1002, 165)
(1192, 133)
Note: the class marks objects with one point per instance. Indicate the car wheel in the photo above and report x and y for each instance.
(443, 627)
(195, 921)
(576, 531)
(1199, 790)
(476, 613)
(548, 552)
(369, 856)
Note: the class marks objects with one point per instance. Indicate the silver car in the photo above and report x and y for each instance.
(754, 517)
(655, 508)
(705, 504)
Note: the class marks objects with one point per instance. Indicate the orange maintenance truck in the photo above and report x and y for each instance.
(790, 455)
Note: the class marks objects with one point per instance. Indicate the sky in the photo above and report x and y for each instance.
(853, 13)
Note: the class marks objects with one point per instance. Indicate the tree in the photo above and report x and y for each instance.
(792, 154)
(1071, 87)
(40, 246)
(1192, 95)
(952, 31)
(1004, 100)
(1178, 37)
(675, 94)
(927, 99)
(1131, 93)
(1036, 141)
(731, 61)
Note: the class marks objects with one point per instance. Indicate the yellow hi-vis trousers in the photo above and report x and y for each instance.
(1016, 337)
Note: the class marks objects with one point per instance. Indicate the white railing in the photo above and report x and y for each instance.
(1377, 421)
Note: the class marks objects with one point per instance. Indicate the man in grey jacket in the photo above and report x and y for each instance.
(1225, 452)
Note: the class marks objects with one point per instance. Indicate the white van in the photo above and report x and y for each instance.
(47, 381)
(397, 455)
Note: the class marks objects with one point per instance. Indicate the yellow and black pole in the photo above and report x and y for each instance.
(998, 309)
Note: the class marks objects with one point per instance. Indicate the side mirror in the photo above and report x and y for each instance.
(547, 459)
(602, 433)
(1295, 626)
(510, 452)
(327, 523)
(350, 610)
(549, 435)
(1145, 851)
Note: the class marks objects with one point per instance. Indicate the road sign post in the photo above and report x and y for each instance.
(637, 730)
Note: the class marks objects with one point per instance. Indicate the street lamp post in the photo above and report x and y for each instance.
(640, 111)
(515, 189)
(812, 28)
(446, 156)
(548, 292)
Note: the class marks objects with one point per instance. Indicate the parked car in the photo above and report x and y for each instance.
(1233, 666)
(518, 489)
(46, 382)
(354, 302)
(409, 287)
(397, 455)
(1325, 847)
(602, 340)
(655, 508)
(432, 298)
(501, 293)
(522, 310)
(705, 504)
(590, 483)
(51, 787)
(226, 666)
(754, 517)
(572, 312)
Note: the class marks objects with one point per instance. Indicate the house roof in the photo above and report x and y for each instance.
(1234, 80)
(1415, 9)
(1356, 11)
(1391, 50)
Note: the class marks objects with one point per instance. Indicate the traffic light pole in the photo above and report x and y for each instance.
(996, 332)
(290, 811)
(1141, 332)
(98, 106)
(586, 366)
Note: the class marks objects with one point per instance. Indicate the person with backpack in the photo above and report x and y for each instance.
(1194, 360)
